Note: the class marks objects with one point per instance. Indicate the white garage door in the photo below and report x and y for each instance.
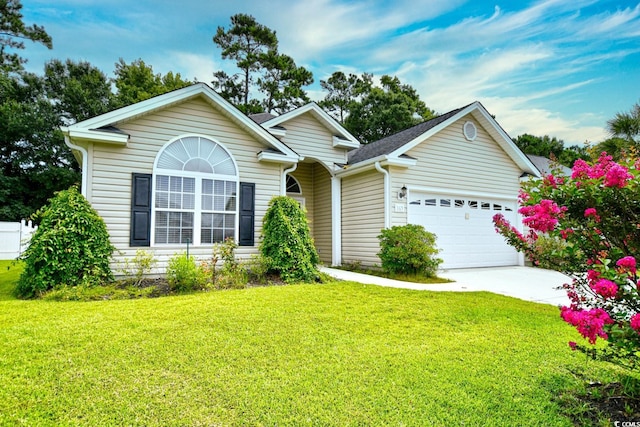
(464, 227)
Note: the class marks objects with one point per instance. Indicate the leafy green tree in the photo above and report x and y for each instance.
(34, 160)
(136, 82)
(386, 110)
(626, 125)
(70, 247)
(282, 82)
(343, 92)
(552, 148)
(286, 244)
(79, 90)
(13, 32)
(246, 41)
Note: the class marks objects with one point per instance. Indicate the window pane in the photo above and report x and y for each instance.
(207, 186)
(218, 203)
(231, 203)
(459, 203)
(189, 185)
(188, 201)
(175, 184)
(445, 203)
(430, 202)
(231, 188)
(162, 183)
(162, 200)
(486, 205)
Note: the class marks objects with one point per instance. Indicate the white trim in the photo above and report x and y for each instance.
(336, 221)
(174, 97)
(264, 156)
(96, 135)
(387, 192)
(283, 186)
(462, 193)
(344, 143)
(83, 164)
(503, 140)
(322, 115)
(198, 176)
(383, 160)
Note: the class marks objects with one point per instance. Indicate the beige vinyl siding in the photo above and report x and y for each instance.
(113, 165)
(322, 212)
(304, 175)
(308, 137)
(448, 161)
(362, 217)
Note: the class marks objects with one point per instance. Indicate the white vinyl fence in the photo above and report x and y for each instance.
(14, 238)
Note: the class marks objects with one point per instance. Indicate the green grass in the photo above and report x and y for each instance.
(334, 354)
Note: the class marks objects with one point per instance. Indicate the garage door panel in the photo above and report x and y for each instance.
(464, 228)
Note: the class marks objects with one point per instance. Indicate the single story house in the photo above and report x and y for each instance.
(188, 168)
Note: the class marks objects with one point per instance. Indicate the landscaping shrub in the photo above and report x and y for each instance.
(596, 215)
(409, 249)
(184, 275)
(287, 246)
(139, 266)
(70, 247)
(231, 274)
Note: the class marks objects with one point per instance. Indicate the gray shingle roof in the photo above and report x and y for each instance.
(261, 117)
(547, 166)
(391, 143)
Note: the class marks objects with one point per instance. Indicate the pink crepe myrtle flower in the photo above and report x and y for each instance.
(605, 288)
(573, 345)
(627, 263)
(592, 213)
(543, 216)
(580, 169)
(593, 276)
(617, 176)
(590, 323)
(635, 322)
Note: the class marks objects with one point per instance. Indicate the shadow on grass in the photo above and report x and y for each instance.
(591, 397)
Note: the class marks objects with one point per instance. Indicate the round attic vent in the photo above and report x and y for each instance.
(470, 131)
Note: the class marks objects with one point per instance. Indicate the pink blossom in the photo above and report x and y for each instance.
(601, 167)
(566, 232)
(605, 288)
(580, 169)
(592, 276)
(617, 176)
(590, 323)
(635, 322)
(627, 263)
(573, 345)
(543, 216)
(592, 213)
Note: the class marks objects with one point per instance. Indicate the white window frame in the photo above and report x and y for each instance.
(199, 177)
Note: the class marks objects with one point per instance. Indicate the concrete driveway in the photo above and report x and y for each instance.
(526, 283)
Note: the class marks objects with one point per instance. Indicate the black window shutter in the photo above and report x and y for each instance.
(140, 210)
(247, 213)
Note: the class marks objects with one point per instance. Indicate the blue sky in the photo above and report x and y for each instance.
(558, 67)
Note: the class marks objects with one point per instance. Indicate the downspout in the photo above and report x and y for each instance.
(283, 190)
(85, 160)
(383, 171)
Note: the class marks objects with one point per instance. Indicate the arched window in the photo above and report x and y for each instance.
(195, 193)
(293, 186)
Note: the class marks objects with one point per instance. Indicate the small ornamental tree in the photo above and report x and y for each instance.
(70, 247)
(595, 216)
(409, 249)
(286, 241)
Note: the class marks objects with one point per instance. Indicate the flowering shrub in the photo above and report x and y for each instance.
(595, 215)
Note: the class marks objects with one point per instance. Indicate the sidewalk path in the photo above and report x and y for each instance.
(526, 283)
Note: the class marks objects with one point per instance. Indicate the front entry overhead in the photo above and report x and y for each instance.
(464, 227)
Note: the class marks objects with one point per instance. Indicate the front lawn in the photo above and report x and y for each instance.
(334, 354)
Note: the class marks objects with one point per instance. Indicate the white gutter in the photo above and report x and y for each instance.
(283, 190)
(387, 192)
(84, 165)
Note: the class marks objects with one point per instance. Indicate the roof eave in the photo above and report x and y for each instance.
(384, 160)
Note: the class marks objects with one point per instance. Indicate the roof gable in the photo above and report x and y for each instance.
(395, 147)
(100, 128)
(342, 137)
